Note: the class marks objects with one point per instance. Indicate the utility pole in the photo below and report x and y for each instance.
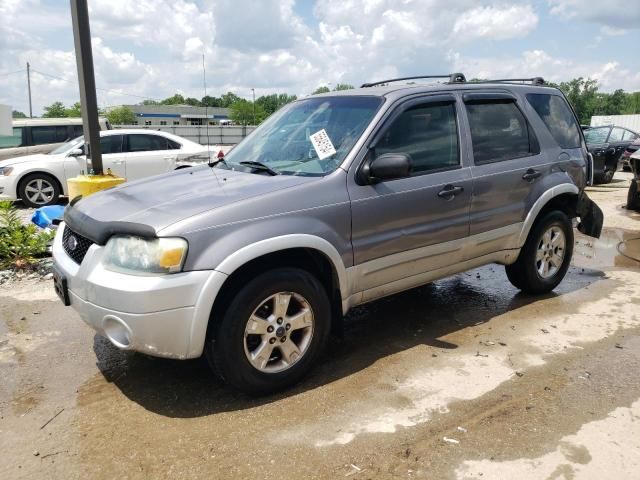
(29, 88)
(87, 81)
(253, 91)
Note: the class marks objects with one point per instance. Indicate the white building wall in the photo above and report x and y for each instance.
(631, 122)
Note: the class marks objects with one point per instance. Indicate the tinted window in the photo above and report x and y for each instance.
(145, 143)
(428, 134)
(77, 130)
(111, 144)
(15, 140)
(616, 135)
(43, 135)
(499, 131)
(173, 145)
(558, 117)
(596, 135)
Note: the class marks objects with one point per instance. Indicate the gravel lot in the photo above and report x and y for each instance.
(462, 378)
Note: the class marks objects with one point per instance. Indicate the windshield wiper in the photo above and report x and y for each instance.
(261, 166)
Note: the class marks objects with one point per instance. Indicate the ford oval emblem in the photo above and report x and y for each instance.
(72, 243)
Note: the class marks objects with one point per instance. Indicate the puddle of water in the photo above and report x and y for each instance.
(615, 248)
(595, 451)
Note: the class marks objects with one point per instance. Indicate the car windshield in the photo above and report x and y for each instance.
(310, 137)
(596, 135)
(70, 145)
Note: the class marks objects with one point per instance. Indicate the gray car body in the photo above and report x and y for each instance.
(380, 238)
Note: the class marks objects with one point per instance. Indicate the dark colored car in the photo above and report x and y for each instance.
(607, 145)
(625, 162)
(633, 197)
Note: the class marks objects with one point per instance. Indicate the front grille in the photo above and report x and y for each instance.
(75, 244)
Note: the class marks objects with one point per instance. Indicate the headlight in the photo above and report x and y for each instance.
(5, 171)
(140, 256)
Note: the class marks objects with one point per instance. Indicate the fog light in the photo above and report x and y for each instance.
(117, 331)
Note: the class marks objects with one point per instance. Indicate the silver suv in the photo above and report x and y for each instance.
(334, 201)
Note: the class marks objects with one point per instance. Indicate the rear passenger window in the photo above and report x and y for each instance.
(616, 135)
(146, 143)
(173, 145)
(14, 140)
(558, 117)
(428, 134)
(499, 132)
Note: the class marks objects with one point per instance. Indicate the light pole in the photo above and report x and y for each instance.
(253, 91)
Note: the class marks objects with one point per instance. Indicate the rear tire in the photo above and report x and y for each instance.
(633, 199)
(272, 331)
(39, 190)
(545, 256)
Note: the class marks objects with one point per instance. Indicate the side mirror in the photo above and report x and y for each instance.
(76, 152)
(388, 166)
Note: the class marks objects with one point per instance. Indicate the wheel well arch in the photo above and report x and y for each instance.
(562, 197)
(41, 172)
(309, 259)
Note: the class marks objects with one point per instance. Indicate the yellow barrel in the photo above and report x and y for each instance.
(86, 185)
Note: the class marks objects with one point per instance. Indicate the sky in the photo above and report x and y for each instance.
(154, 48)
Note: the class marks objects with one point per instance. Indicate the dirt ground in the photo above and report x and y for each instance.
(462, 378)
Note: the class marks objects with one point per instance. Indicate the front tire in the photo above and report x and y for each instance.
(545, 256)
(272, 331)
(38, 190)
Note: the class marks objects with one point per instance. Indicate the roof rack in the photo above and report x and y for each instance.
(453, 78)
(534, 80)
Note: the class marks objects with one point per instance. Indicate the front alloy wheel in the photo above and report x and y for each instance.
(278, 332)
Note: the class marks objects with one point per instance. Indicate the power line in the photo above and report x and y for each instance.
(12, 73)
(115, 92)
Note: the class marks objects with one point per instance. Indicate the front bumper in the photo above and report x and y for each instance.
(7, 188)
(161, 315)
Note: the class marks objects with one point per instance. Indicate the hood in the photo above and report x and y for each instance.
(38, 157)
(163, 200)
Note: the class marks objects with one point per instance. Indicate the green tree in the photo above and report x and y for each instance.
(209, 101)
(271, 103)
(322, 89)
(631, 104)
(74, 111)
(121, 116)
(194, 102)
(343, 86)
(242, 112)
(582, 93)
(228, 99)
(55, 110)
(176, 99)
(17, 114)
(149, 102)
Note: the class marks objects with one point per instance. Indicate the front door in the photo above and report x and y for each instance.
(408, 226)
(149, 154)
(113, 158)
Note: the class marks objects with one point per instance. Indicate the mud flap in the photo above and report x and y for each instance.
(591, 217)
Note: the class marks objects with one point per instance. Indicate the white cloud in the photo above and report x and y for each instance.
(613, 13)
(499, 23)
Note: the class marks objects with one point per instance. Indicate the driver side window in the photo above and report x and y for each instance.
(428, 134)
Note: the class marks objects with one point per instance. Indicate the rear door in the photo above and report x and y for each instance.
(407, 226)
(507, 164)
(149, 154)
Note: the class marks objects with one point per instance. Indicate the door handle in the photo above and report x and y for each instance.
(118, 162)
(450, 191)
(530, 175)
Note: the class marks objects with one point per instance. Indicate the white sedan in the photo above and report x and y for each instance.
(41, 179)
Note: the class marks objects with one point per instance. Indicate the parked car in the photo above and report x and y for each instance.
(630, 150)
(633, 196)
(41, 179)
(41, 135)
(607, 145)
(252, 260)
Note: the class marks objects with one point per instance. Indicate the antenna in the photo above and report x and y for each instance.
(206, 110)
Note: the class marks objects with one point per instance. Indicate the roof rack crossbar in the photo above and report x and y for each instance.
(533, 80)
(453, 78)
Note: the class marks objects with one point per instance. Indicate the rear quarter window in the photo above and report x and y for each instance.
(558, 117)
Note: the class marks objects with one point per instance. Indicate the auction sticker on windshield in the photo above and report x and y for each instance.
(322, 144)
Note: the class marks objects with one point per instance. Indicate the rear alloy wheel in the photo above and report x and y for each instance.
(545, 256)
(271, 332)
(38, 190)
